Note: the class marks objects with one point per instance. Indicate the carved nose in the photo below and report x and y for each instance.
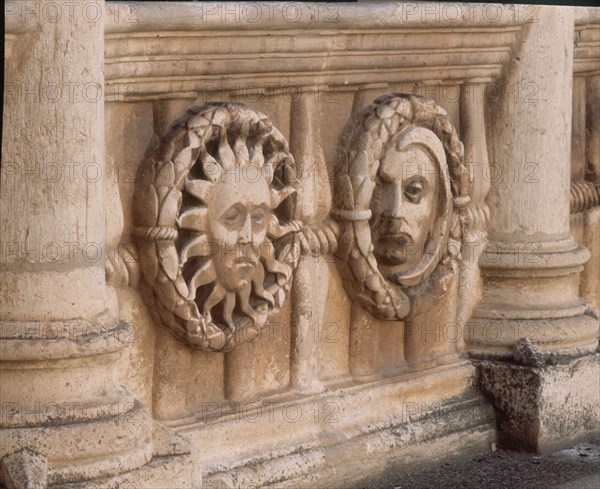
(245, 235)
(393, 208)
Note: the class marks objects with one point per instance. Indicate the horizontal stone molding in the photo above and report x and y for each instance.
(156, 51)
(160, 472)
(533, 258)
(247, 16)
(138, 66)
(561, 337)
(515, 313)
(468, 421)
(366, 424)
(74, 452)
(173, 51)
(35, 414)
(218, 15)
(31, 341)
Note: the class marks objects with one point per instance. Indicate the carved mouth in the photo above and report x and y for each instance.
(245, 264)
(247, 255)
(393, 249)
(402, 239)
(399, 237)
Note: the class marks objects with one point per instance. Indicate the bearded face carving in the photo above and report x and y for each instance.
(211, 204)
(238, 216)
(404, 207)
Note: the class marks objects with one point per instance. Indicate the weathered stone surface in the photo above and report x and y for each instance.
(24, 470)
(333, 240)
(539, 406)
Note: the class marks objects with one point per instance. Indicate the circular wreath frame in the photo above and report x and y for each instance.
(362, 145)
(157, 206)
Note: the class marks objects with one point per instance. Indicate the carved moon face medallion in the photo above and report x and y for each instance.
(400, 178)
(404, 205)
(213, 225)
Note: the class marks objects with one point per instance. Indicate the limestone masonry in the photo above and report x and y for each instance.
(294, 245)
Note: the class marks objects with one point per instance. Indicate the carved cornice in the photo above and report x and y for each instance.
(184, 49)
(160, 50)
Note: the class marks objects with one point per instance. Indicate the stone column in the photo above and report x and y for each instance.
(60, 336)
(590, 284)
(537, 346)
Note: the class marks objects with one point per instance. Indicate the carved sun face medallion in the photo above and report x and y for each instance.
(213, 224)
(400, 178)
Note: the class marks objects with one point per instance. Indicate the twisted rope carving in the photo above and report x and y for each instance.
(155, 232)
(584, 195)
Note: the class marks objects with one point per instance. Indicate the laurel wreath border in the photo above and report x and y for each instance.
(157, 203)
(361, 147)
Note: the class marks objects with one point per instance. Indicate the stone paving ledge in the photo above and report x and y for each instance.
(574, 468)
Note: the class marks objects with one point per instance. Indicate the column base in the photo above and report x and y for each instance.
(544, 408)
(165, 462)
(553, 338)
(61, 403)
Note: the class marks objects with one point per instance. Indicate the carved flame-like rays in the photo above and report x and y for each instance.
(256, 157)
(194, 219)
(272, 265)
(244, 296)
(240, 147)
(278, 196)
(211, 167)
(199, 189)
(228, 305)
(258, 283)
(226, 155)
(204, 274)
(217, 294)
(197, 246)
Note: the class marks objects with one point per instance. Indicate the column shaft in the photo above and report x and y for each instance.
(532, 336)
(60, 339)
(531, 265)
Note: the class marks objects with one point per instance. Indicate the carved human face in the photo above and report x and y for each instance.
(238, 215)
(403, 207)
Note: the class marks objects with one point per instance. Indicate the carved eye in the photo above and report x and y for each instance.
(413, 191)
(258, 217)
(231, 216)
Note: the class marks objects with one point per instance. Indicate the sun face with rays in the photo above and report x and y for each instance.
(227, 225)
(238, 225)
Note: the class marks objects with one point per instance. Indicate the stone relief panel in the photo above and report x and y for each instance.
(401, 184)
(219, 232)
(213, 223)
